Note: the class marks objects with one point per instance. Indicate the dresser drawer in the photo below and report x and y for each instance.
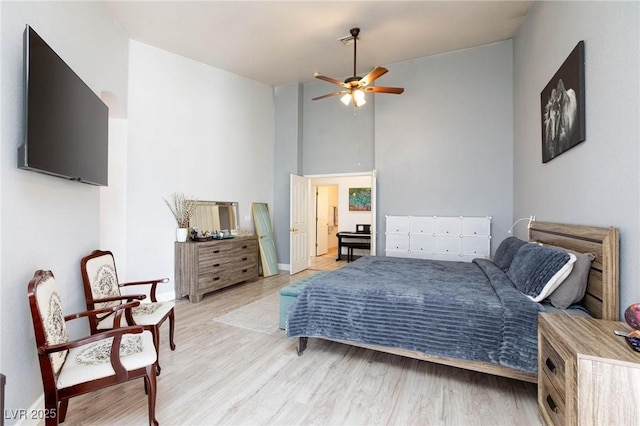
(226, 253)
(214, 281)
(231, 260)
(215, 251)
(247, 272)
(550, 400)
(553, 366)
(216, 268)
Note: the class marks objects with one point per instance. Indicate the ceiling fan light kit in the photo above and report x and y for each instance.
(355, 87)
(357, 96)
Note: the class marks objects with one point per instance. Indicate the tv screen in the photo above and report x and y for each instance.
(66, 132)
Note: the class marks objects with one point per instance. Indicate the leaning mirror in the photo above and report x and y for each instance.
(213, 218)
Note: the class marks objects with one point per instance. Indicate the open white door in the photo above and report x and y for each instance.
(300, 191)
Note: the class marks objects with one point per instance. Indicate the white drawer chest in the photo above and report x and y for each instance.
(455, 238)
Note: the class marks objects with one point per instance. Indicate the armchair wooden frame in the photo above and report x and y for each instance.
(94, 320)
(57, 399)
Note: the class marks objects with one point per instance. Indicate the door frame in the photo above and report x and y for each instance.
(325, 179)
(316, 189)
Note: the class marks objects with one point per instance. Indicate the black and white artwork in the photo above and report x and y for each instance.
(563, 107)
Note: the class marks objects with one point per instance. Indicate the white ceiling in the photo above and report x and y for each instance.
(281, 42)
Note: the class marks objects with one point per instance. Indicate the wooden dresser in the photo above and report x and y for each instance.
(203, 267)
(586, 374)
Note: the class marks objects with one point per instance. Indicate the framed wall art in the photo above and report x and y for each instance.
(359, 199)
(563, 107)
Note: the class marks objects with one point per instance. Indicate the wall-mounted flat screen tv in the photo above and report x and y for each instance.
(66, 123)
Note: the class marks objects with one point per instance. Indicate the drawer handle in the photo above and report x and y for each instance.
(244, 270)
(552, 405)
(216, 278)
(550, 365)
(244, 258)
(216, 265)
(216, 251)
(244, 247)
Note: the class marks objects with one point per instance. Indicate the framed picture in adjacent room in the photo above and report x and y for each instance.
(563, 107)
(359, 199)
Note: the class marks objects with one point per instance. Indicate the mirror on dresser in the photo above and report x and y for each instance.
(214, 216)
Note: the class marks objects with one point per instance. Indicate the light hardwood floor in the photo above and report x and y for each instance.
(221, 374)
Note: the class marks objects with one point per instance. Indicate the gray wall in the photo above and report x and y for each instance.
(288, 160)
(314, 138)
(596, 182)
(336, 138)
(445, 146)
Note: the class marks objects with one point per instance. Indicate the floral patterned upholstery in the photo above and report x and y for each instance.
(146, 309)
(86, 363)
(92, 361)
(104, 283)
(100, 352)
(103, 279)
(55, 327)
(100, 281)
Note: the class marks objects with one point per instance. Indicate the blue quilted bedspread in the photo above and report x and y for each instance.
(462, 310)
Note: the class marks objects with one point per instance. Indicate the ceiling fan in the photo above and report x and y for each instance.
(355, 87)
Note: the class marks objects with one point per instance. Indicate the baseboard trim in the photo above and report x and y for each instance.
(166, 296)
(284, 266)
(28, 417)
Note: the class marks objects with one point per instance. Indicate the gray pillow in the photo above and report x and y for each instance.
(538, 270)
(506, 252)
(573, 288)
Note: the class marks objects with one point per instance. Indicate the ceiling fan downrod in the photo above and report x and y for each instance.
(354, 33)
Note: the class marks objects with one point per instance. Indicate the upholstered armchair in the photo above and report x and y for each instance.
(102, 289)
(72, 368)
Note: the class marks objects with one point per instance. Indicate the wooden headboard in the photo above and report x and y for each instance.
(602, 298)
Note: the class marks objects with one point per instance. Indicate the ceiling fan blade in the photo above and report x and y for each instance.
(376, 73)
(378, 89)
(342, 92)
(329, 79)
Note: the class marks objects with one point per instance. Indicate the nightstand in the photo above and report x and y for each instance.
(586, 374)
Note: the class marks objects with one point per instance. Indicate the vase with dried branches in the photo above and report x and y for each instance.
(182, 208)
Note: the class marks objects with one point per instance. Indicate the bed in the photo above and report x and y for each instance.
(471, 315)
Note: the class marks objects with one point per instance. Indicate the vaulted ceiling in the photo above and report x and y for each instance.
(281, 42)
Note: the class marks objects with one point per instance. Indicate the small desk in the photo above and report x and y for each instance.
(346, 239)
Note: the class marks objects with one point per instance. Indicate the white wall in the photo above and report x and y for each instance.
(113, 198)
(46, 222)
(347, 220)
(189, 128)
(596, 182)
(192, 129)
